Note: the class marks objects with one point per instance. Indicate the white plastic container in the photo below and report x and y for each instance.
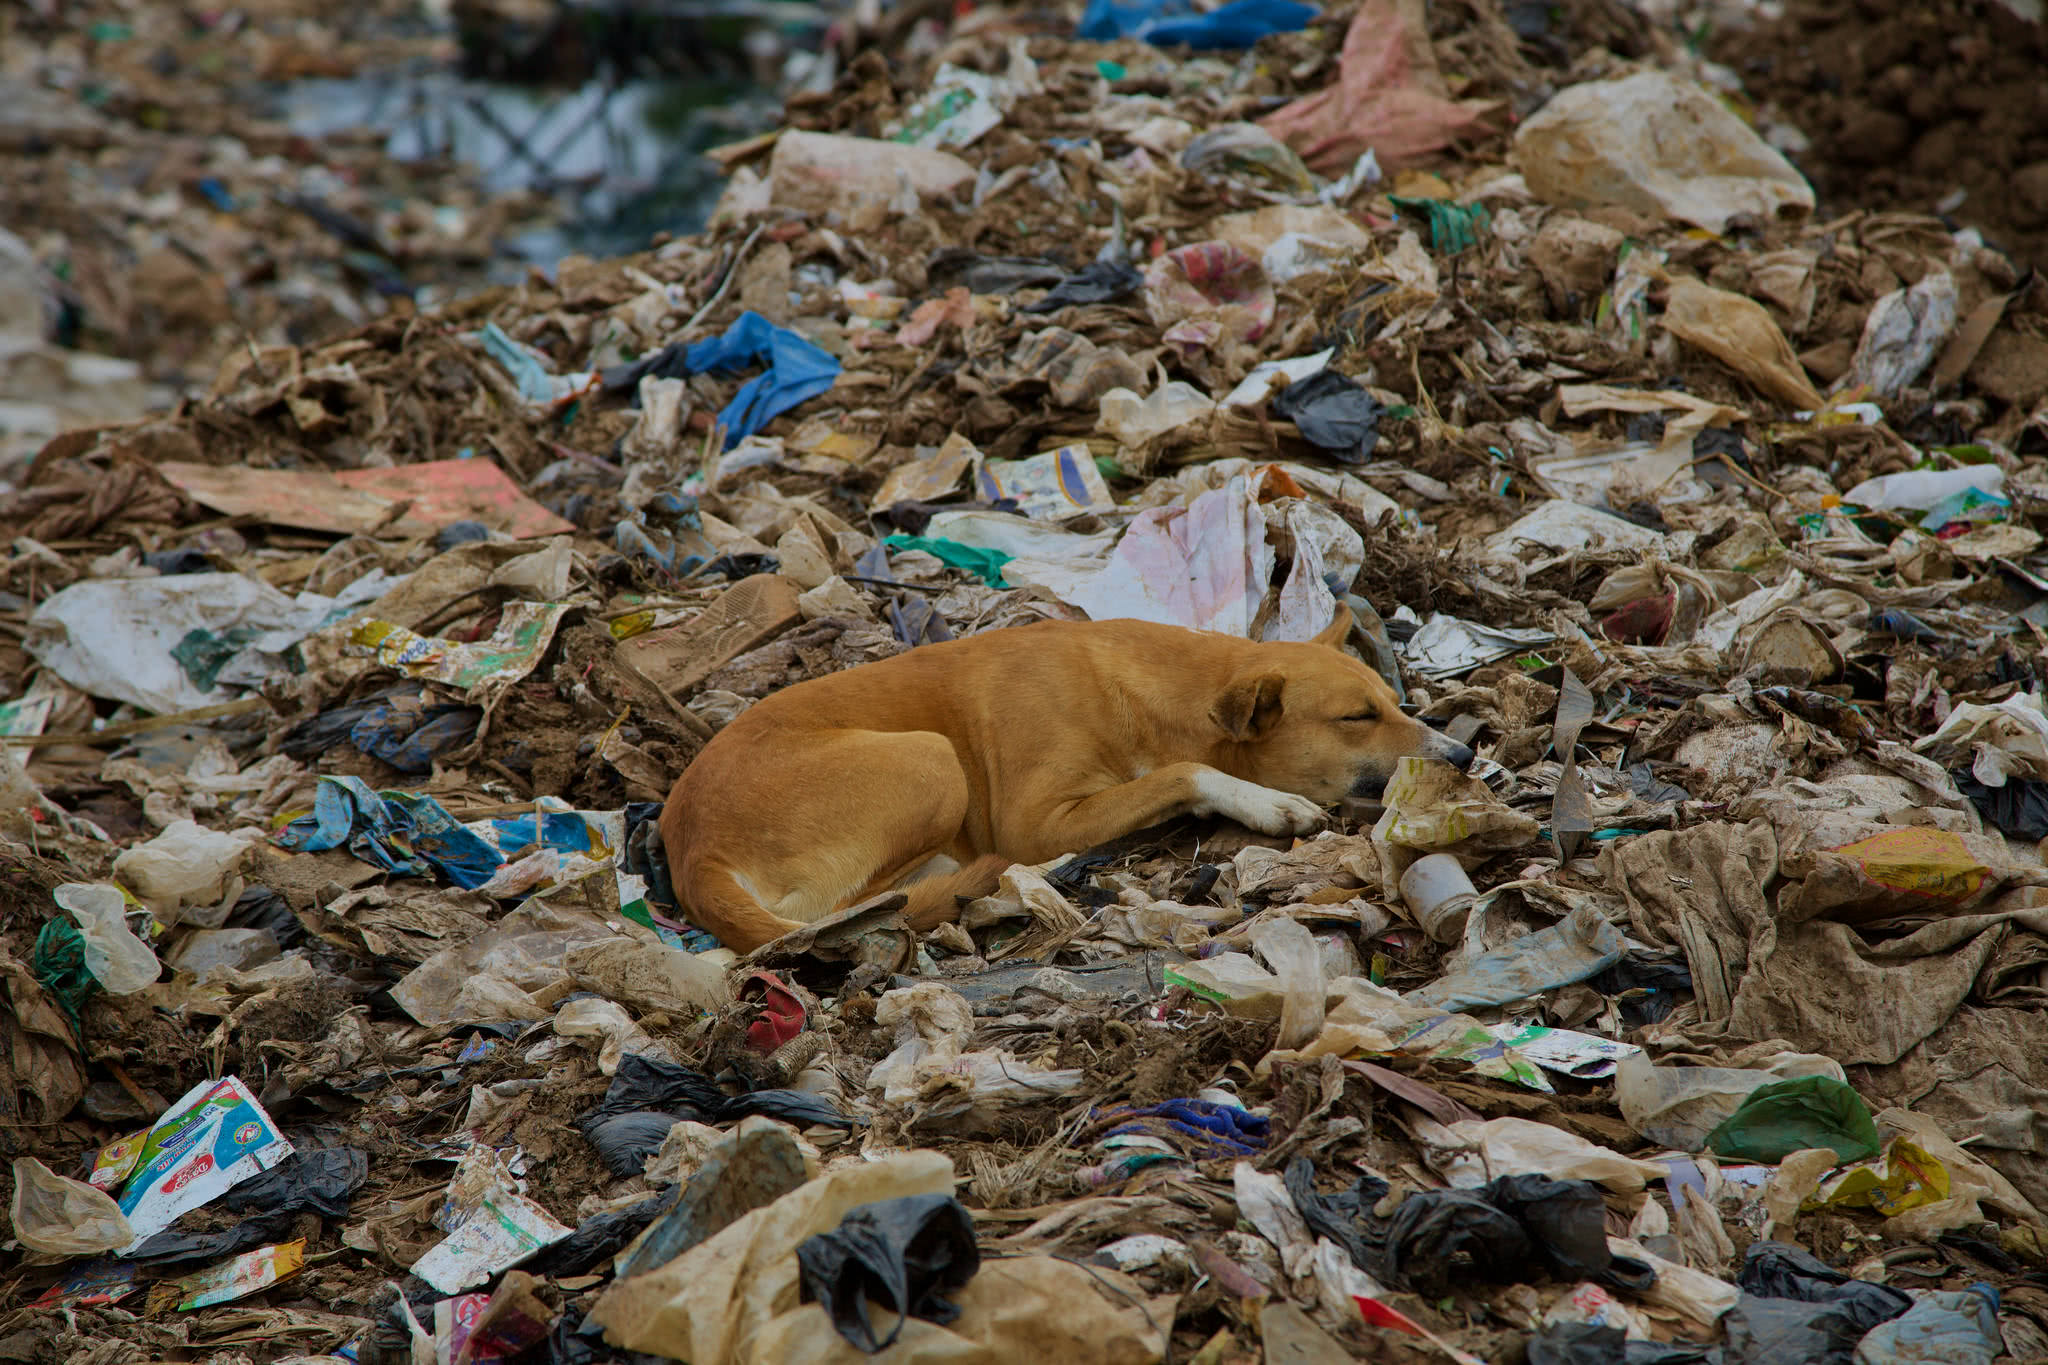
(1440, 895)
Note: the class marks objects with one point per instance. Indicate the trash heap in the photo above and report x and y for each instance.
(350, 1013)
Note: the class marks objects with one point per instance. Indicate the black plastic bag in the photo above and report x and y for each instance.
(1773, 1270)
(751, 1171)
(1789, 1332)
(1334, 414)
(1346, 1217)
(647, 856)
(320, 1181)
(259, 907)
(1671, 1353)
(1101, 282)
(2019, 808)
(1649, 982)
(902, 1253)
(598, 1238)
(1578, 1343)
(1566, 1221)
(574, 1340)
(645, 1084)
(625, 1141)
(171, 1247)
(647, 1096)
(187, 560)
(1436, 1237)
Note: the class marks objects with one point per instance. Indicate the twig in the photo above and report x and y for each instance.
(731, 273)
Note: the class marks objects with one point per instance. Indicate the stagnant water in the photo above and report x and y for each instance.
(625, 159)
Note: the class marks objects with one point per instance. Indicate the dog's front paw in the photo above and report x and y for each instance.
(1278, 813)
(1260, 808)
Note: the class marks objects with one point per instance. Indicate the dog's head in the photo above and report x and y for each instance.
(1310, 719)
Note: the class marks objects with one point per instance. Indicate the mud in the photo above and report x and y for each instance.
(1905, 105)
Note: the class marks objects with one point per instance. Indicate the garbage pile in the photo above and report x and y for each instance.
(351, 1014)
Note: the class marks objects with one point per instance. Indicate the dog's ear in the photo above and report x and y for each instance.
(1249, 707)
(1338, 631)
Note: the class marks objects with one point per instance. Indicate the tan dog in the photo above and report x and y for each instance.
(951, 762)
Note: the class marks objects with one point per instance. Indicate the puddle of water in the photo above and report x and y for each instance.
(625, 159)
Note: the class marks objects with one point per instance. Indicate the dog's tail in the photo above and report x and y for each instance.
(936, 900)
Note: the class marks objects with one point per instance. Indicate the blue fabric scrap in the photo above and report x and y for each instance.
(402, 832)
(796, 371)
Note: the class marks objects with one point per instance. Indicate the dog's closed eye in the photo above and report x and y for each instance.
(1366, 716)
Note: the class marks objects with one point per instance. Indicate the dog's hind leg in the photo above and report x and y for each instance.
(799, 833)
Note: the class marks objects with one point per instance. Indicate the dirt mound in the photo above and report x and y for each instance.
(1906, 105)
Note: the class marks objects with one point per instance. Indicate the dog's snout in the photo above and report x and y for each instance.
(1442, 746)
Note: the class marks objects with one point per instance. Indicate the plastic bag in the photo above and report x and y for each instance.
(187, 874)
(1905, 1177)
(1919, 489)
(1578, 1343)
(1297, 965)
(1736, 331)
(1578, 946)
(61, 1217)
(1659, 145)
(902, 1253)
(1788, 1332)
(708, 1302)
(1678, 1106)
(122, 963)
(215, 954)
(1434, 1237)
(1784, 1117)
(1943, 1328)
(1133, 421)
(1773, 1270)
(1334, 413)
(648, 977)
(644, 1084)
(1902, 334)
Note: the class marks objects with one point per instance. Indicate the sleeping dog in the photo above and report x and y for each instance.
(937, 769)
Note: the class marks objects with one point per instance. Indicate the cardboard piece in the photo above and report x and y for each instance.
(359, 501)
(747, 615)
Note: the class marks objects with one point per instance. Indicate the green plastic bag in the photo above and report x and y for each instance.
(1790, 1116)
(59, 963)
(1452, 227)
(984, 563)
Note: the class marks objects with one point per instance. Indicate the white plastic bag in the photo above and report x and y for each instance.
(188, 874)
(61, 1217)
(119, 961)
(1660, 145)
(1297, 963)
